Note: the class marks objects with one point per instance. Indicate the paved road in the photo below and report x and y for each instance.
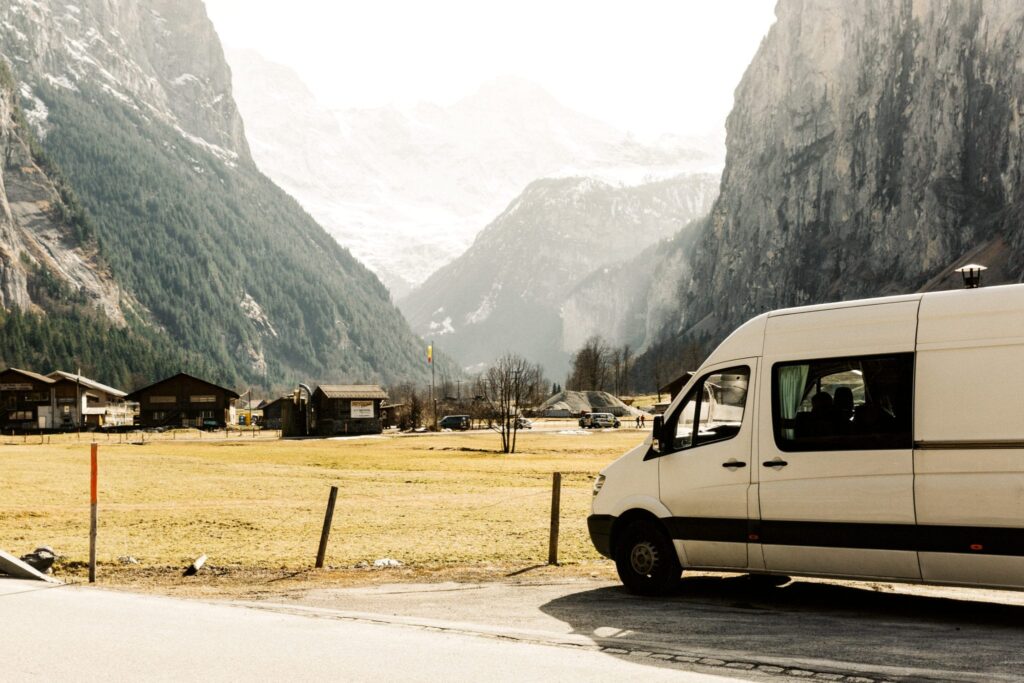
(522, 630)
(83, 634)
(807, 629)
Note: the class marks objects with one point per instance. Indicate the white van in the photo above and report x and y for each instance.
(880, 439)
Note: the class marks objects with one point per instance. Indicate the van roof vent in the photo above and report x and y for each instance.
(971, 274)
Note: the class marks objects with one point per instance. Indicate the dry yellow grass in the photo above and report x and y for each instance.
(431, 501)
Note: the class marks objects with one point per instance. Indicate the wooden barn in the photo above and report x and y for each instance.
(341, 409)
(272, 412)
(185, 401)
(27, 401)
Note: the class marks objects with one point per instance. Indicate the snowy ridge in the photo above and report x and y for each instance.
(73, 45)
(375, 180)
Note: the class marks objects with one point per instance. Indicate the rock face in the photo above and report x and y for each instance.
(873, 147)
(408, 188)
(37, 238)
(159, 56)
(508, 290)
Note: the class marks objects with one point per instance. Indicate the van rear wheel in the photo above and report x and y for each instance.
(646, 560)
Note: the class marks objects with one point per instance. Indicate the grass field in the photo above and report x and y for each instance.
(437, 503)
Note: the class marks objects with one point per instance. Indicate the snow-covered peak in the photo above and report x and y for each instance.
(407, 188)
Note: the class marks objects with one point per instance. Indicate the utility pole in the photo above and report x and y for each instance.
(433, 396)
(78, 399)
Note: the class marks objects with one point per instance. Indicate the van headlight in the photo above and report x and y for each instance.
(598, 483)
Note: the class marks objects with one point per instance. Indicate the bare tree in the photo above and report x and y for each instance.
(614, 356)
(508, 387)
(627, 368)
(590, 366)
(410, 413)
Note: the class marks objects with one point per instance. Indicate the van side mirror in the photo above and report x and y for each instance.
(659, 424)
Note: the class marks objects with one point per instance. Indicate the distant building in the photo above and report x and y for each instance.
(31, 402)
(272, 412)
(340, 409)
(675, 386)
(27, 399)
(86, 402)
(185, 401)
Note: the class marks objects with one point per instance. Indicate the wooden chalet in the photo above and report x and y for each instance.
(341, 409)
(185, 401)
(84, 402)
(28, 401)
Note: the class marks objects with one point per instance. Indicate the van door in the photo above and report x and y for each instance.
(835, 464)
(704, 466)
(969, 432)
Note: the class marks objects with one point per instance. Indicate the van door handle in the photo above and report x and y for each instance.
(734, 463)
(777, 462)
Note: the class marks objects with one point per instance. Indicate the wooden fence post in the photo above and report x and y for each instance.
(556, 499)
(326, 532)
(92, 513)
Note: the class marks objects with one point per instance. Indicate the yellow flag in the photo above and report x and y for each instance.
(430, 354)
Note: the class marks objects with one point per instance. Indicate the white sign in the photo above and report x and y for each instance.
(362, 409)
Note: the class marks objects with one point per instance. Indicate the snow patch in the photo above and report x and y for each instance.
(185, 78)
(60, 82)
(14, 29)
(486, 306)
(37, 114)
(119, 95)
(443, 327)
(225, 155)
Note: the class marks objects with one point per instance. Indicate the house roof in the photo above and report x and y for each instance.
(352, 391)
(33, 375)
(86, 382)
(135, 394)
(677, 384)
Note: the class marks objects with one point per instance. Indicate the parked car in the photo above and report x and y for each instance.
(523, 423)
(604, 420)
(585, 420)
(456, 422)
(878, 440)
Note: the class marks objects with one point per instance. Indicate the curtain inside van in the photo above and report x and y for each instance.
(792, 380)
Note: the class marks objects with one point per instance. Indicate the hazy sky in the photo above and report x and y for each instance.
(649, 66)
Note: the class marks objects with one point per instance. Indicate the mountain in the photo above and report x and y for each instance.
(509, 289)
(60, 305)
(873, 147)
(407, 188)
(130, 103)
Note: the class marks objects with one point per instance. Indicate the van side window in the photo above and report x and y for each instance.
(712, 410)
(844, 404)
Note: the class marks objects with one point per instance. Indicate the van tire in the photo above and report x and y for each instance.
(646, 559)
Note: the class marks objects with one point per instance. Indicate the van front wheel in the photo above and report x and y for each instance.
(646, 560)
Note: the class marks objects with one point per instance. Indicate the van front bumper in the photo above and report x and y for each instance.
(600, 527)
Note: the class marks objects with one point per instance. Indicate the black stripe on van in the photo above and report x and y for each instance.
(911, 537)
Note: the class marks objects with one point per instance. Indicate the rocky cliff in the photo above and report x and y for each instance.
(40, 234)
(873, 147)
(508, 291)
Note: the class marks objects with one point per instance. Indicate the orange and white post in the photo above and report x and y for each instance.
(92, 515)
